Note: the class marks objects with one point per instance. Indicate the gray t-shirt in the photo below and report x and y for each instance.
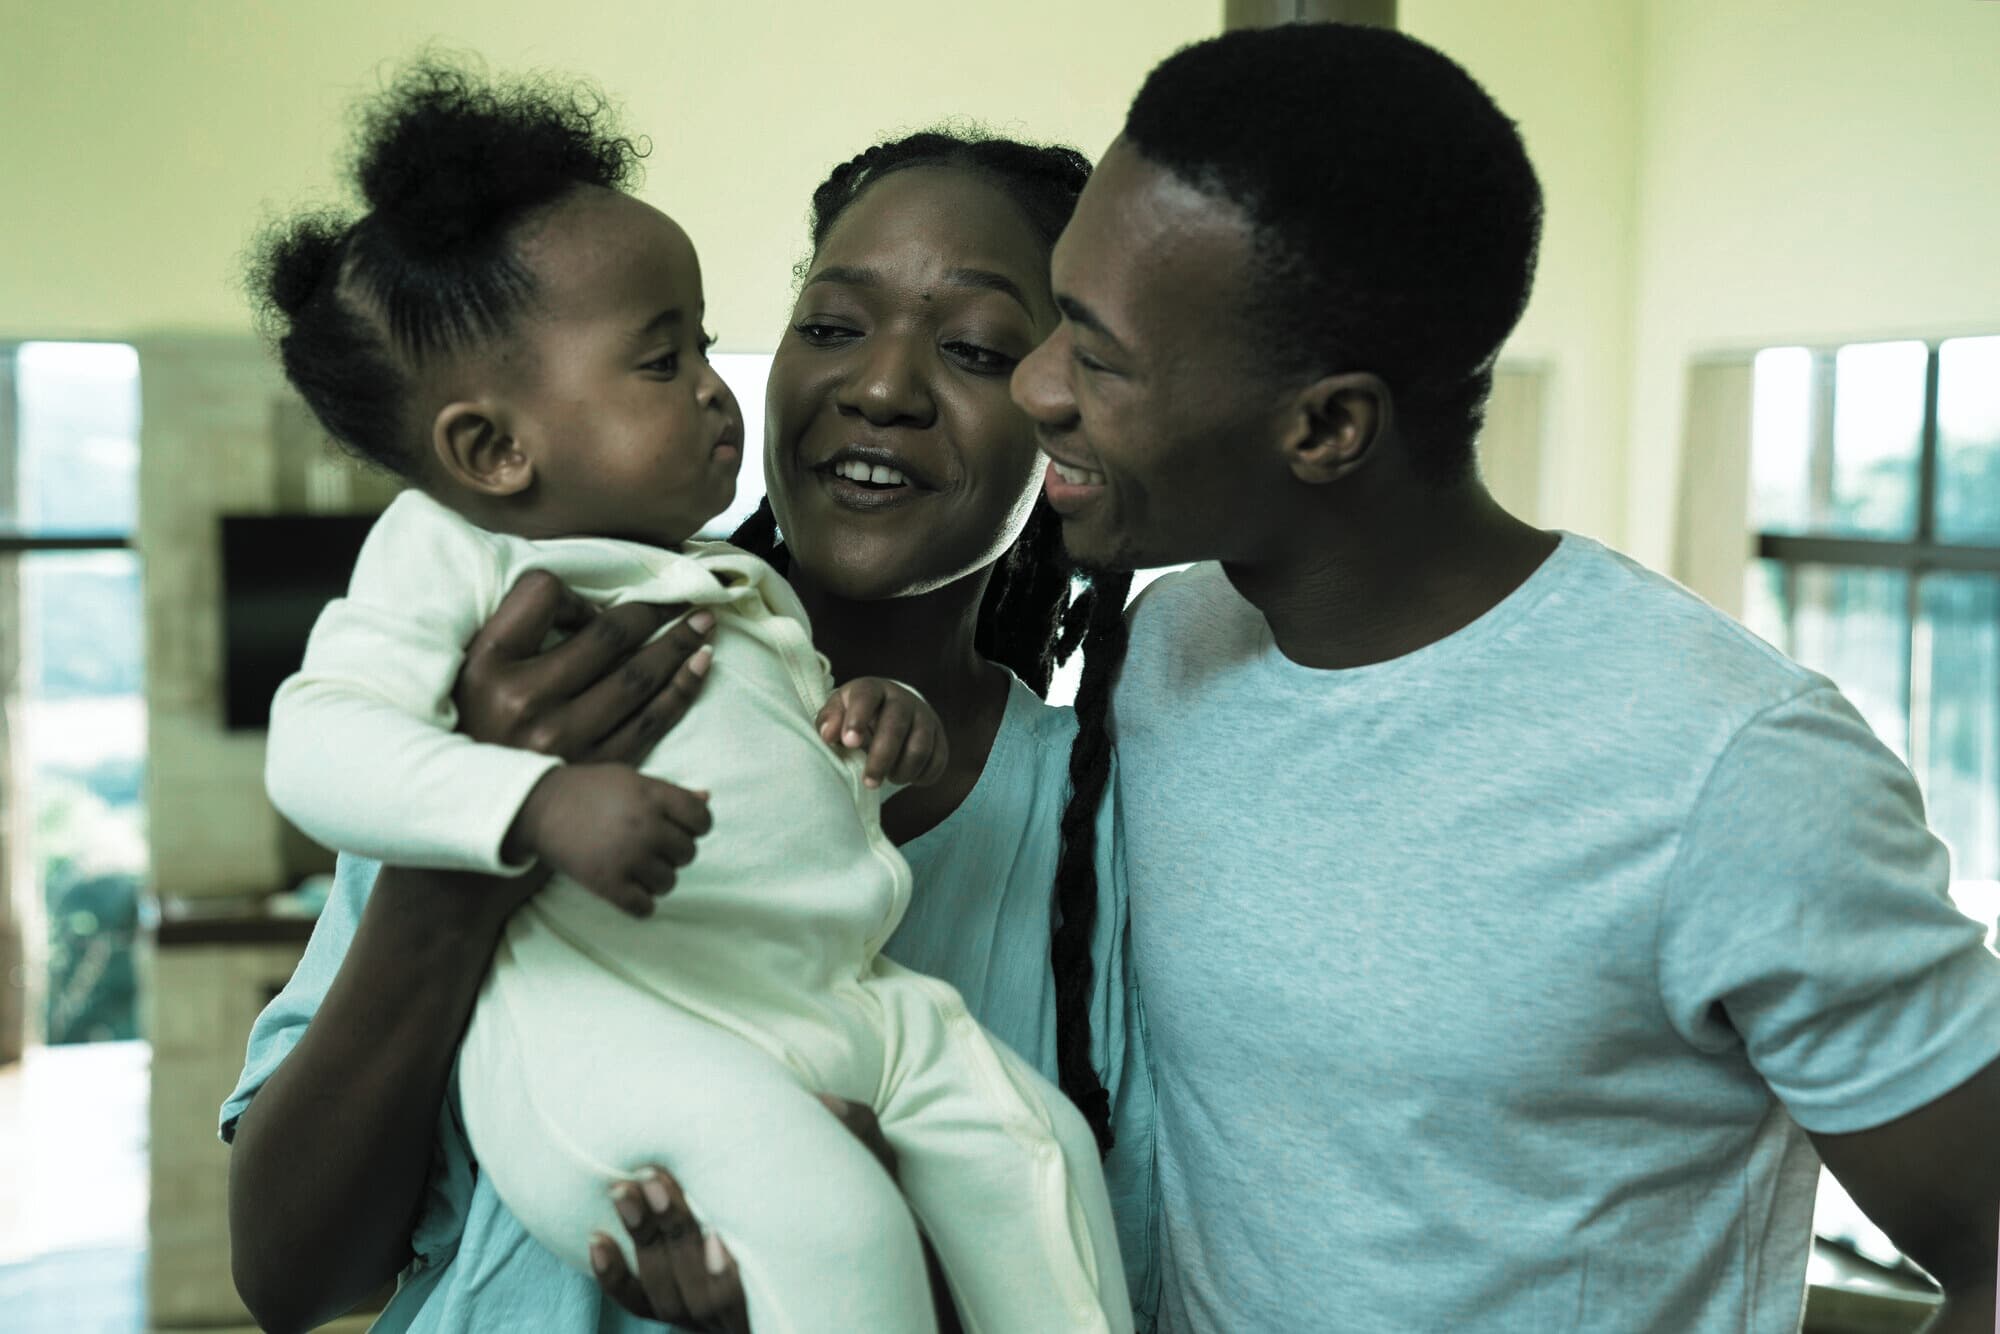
(1489, 987)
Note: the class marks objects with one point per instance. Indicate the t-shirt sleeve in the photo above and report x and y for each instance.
(283, 1021)
(448, 1192)
(1808, 918)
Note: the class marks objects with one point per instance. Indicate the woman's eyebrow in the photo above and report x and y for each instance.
(990, 281)
(986, 280)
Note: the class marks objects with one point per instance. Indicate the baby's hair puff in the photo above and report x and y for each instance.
(449, 165)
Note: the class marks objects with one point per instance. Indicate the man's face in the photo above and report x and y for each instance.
(1148, 397)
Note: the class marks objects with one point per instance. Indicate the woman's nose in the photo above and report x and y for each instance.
(889, 384)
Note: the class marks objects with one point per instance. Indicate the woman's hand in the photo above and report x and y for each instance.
(686, 1276)
(602, 695)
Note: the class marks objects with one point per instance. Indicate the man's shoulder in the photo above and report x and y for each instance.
(1643, 636)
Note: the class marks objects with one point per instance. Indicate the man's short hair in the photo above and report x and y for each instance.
(1396, 214)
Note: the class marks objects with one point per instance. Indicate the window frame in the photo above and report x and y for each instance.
(1919, 555)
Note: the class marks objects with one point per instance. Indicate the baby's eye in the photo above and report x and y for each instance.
(667, 364)
(706, 342)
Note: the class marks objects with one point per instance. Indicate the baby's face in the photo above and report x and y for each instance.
(635, 436)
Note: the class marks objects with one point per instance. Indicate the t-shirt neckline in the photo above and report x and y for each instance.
(1495, 621)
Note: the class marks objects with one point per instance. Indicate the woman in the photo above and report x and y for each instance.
(927, 283)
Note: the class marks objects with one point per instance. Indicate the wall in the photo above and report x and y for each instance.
(154, 135)
(1568, 73)
(1809, 170)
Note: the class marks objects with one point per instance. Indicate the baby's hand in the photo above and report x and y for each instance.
(904, 738)
(616, 832)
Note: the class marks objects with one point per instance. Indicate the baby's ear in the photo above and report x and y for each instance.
(475, 449)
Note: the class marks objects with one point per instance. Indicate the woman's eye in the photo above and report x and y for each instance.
(820, 334)
(982, 359)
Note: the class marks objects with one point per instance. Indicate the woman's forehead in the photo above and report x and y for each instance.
(930, 220)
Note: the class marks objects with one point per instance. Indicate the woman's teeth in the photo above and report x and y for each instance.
(1078, 476)
(854, 470)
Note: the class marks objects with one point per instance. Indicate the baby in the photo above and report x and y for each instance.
(521, 340)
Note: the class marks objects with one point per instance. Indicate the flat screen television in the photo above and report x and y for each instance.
(278, 571)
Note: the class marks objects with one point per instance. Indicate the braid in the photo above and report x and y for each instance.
(1101, 614)
(1025, 603)
(758, 535)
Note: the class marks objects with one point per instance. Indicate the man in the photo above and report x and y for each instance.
(1513, 926)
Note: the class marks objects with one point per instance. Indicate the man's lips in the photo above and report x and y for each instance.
(1070, 489)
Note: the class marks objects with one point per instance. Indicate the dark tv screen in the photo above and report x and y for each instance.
(278, 572)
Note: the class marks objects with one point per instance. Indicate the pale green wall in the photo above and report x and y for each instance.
(140, 140)
(1719, 172)
(1567, 71)
(1810, 170)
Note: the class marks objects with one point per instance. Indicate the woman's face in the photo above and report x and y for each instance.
(895, 459)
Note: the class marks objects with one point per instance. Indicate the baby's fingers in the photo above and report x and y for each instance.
(924, 754)
(885, 752)
(861, 707)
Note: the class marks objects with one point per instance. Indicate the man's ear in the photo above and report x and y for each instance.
(475, 449)
(1334, 426)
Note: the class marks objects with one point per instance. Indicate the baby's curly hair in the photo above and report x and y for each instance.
(1395, 212)
(449, 165)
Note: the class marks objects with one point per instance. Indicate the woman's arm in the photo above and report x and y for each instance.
(331, 1159)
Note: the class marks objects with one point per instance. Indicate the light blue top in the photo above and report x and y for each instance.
(1493, 985)
(979, 918)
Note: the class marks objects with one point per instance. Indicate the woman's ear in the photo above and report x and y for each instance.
(1336, 423)
(475, 450)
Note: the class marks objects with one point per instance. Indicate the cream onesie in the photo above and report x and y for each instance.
(697, 1038)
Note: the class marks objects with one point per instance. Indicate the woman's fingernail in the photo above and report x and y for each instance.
(600, 1254)
(656, 1195)
(702, 622)
(702, 659)
(626, 1201)
(713, 1258)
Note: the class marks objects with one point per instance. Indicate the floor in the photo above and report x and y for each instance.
(73, 1213)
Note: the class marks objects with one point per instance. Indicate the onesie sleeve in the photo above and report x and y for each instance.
(362, 755)
(1807, 918)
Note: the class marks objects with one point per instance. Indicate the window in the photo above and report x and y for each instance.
(1875, 497)
(72, 749)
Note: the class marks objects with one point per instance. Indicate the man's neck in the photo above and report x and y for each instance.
(1391, 575)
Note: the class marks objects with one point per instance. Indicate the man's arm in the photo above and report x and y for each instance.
(1931, 1180)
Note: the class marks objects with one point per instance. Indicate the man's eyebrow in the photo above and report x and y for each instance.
(1077, 313)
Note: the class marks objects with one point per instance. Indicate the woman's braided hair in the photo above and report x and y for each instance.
(1034, 615)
